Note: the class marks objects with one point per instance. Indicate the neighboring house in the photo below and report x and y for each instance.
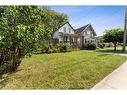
(86, 34)
(78, 37)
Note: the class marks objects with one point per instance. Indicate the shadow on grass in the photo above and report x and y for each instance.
(3, 82)
(103, 55)
(4, 78)
(111, 51)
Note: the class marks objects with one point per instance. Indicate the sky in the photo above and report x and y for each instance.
(100, 17)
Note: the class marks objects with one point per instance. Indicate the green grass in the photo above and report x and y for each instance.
(111, 49)
(72, 70)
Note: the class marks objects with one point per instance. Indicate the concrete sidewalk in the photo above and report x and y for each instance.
(116, 80)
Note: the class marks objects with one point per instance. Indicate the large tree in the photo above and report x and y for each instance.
(21, 29)
(114, 36)
(52, 21)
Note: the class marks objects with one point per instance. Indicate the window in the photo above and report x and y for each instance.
(88, 32)
(85, 41)
(91, 35)
(64, 29)
(85, 33)
(69, 30)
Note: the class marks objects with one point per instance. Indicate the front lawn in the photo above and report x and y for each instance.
(72, 70)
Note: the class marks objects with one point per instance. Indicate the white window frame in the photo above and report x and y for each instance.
(64, 28)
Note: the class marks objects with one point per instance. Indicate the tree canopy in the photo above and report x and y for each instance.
(22, 28)
(114, 36)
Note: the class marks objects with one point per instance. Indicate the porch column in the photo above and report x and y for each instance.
(81, 40)
(63, 39)
(75, 40)
(70, 39)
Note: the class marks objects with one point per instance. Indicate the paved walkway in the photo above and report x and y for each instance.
(122, 54)
(116, 80)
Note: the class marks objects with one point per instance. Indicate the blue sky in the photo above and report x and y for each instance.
(101, 17)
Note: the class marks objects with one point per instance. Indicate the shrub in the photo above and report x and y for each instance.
(101, 45)
(89, 46)
(49, 50)
(55, 48)
(7, 66)
(43, 49)
(65, 48)
(84, 47)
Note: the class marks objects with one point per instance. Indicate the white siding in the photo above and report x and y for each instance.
(55, 35)
(61, 30)
(68, 27)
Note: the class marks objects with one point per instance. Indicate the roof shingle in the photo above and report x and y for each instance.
(79, 30)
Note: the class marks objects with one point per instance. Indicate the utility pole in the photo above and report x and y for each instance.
(125, 31)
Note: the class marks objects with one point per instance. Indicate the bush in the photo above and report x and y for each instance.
(7, 66)
(65, 48)
(49, 49)
(55, 48)
(101, 45)
(89, 46)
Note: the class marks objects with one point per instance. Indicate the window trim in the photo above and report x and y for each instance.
(64, 28)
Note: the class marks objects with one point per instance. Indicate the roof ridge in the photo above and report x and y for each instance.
(83, 26)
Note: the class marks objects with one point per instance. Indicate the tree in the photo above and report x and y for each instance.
(114, 36)
(21, 29)
(18, 32)
(101, 39)
(52, 21)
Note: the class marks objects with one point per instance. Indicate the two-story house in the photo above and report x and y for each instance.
(79, 37)
(87, 34)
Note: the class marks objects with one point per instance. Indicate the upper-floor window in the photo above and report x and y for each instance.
(64, 29)
(88, 32)
(69, 30)
(85, 33)
(91, 35)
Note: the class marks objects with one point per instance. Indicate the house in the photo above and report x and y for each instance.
(65, 34)
(86, 34)
(78, 37)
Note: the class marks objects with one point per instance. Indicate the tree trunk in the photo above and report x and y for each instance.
(114, 46)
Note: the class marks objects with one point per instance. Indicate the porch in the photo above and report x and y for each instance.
(72, 39)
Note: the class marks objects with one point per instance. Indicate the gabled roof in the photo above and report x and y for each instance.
(67, 23)
(81, 29)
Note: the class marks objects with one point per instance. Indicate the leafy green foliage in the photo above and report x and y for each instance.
(52, 21)
(65, 48)
(90, 46)
(101, 45)
(55, 48)
(114, 36)
(23, 30)
(101, 39)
